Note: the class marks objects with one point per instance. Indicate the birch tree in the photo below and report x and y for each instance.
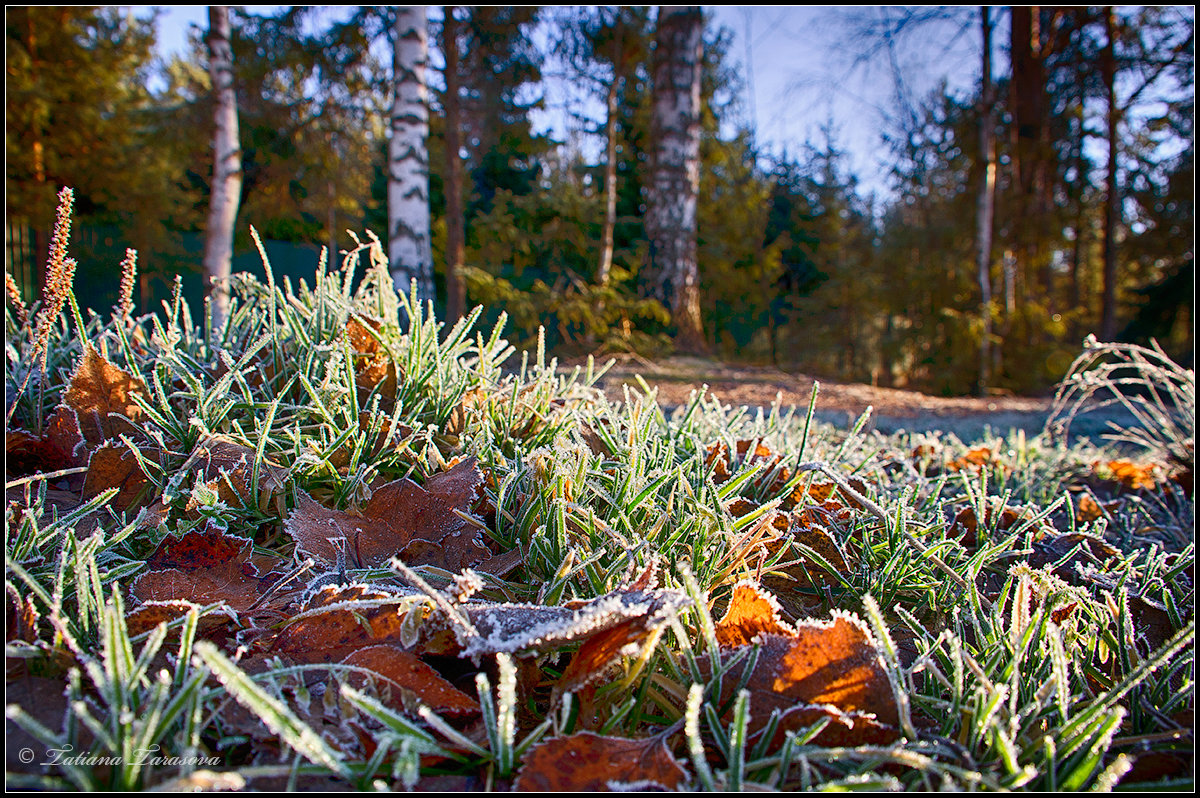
(985, 200)
(675, 169)
(227, 167)
(409, 249)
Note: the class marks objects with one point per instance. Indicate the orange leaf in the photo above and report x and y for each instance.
(604, 650)
(835, 663)
(372, 364)
(113, 465)
(101, 396)
(356, 616)
(752, 611)
(405, 673)
(591, 762)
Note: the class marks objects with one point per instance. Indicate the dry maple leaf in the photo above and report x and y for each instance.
(102, 397)
(113, 465)
(752, 611)
(592, 762)
(53, 450)
(204, 566)
(398, 514)
(372, 364)
(405, 678)
(522, 628)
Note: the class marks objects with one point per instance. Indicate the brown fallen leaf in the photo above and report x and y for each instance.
(102, 397)
(373, 366)
(523, 628)
(20, 616)
(844, 730)
(150, 614)
(204, 566)
(718, 458)
(752, 611)
(602, 651)
(835, 663)
(406, 678)
(587, 762)
(53, 450)
(113, 465)
(1070, 551)
(435, 519)
(340, 620)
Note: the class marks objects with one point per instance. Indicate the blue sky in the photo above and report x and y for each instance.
(802, 73)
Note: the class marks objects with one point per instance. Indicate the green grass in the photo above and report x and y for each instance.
(1015, 666)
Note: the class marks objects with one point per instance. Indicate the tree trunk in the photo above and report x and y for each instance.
(1108, 66)
(456, 299)
(1028, 90)
(410, 252)
(610, 164)
(675, 170)
(984, 209)
(227, 167)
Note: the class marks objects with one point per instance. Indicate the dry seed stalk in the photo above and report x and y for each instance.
(60, 274)
(124, 306)
(14, 299)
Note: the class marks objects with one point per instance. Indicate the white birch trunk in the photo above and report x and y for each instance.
(409, 249)
(227, 167)
(675, 169)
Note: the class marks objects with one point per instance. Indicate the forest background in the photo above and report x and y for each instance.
(1089, 120)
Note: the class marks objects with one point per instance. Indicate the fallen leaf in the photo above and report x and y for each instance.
(587, 762)
(818, 663)
(53, 450)
(404, 673)
(21, 616)
(1071, 551)
(204, 566)
(398, 514)
(101, 395)
(151, 613)
(973, 460)
(605, 649)
(718, 458)
(844, 730)
(752, 611)
(522, 628)
(113, 465)
(1132, 476)
(340, 620)
(372, 364)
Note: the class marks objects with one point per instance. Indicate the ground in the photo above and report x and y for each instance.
(839, 403)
